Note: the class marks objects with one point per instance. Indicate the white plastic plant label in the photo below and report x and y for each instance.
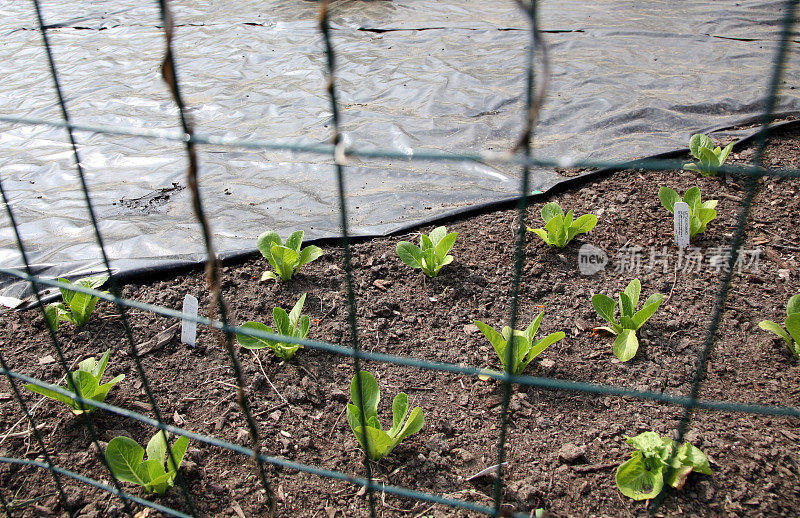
(682, 224)
(189, 327)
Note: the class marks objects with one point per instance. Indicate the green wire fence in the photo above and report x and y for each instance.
(521, 155)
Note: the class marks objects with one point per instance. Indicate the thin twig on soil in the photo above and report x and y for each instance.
(261, 367)
(336, 422)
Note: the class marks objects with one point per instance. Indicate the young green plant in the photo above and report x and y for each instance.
(286, 258)
(77, 307)
(711, 158)
(376, 442)
(86, 380)
(431, 255)
(642, 477)
(559, 229)
(291, 324)
(126, 459)
(526, 347)
(701, 213)
(791, 335)
(630, 321)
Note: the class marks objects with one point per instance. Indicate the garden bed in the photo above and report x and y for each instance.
(562, 447)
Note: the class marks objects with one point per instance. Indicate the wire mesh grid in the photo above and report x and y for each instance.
(520, 154)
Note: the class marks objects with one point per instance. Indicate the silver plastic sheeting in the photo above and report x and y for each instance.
(627, 79)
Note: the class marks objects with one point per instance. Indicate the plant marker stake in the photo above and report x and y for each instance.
(682, 228)
(189, 327)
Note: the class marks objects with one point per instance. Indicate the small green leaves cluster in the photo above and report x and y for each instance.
(526, 347)
(286, 258)
(367, 429)
(431, 255)
(126, 459)
(791, 335)
(86, 381)
(711, 158)
(630, 321)
(559, 229)
(291, 324)
(77, 307)
(701, 213)
(642, 477)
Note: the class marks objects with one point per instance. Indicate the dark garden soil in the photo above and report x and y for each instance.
(562, 447)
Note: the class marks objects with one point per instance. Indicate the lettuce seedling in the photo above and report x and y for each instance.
(791, 336)
(77, 307)
(380, 443)
(526, 347)
(285, 258)
(643, 476)
(125, 458)
(86, 380)
(626, 344)
(559, 229)
(431, 255)
(292, 325)
(711, 158)
(701, 213)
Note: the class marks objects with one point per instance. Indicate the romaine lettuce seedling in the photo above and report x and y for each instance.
(526, 347)
(86, 380)
(559, 229)
(77, 307)
(292, 325)
(380, 443)
(431, 255)
(630, 321)
(711, 158)
(285, 258)
(643, 476)
(700, 212)
(125, 458)
(791, 336)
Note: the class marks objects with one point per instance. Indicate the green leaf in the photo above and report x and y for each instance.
(626, 344)
(425, 243)
(285, 261)
(154, 475)
(100, 367)
(81, 306)
(697, 141)
(693, 199)
(638, 479)
(691, 167)
(309, 253)
(689, 455)
(102, 390)
(444, 246)
(371, 392)
(178, 453)
(792, 324)
(496, 339)
(768, 325)
(51, 315)
(542, 233)
(633, 290)
(794, 305)
(399, 413)
(710, 204)
(584, 223)
(283, 325)
(302, 328)
(252, 342)
(157, 448)
(533, 328)
(414, 424)
(268, 275)
(709, 159)
(410, 254)
(294, 315)
(605, 305)
(538, 347)
(724, 153)
(436, 235)
(354, 417)
(555, 229)
(649, 443)
(124, 456)
(379, 442)
(265, 242)
(86, 386)
(551, 210)
(295, 241)
(650, 306)
(568, 217)
(668, 198)
(625, 306)
(52, 394)
(93, 282)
